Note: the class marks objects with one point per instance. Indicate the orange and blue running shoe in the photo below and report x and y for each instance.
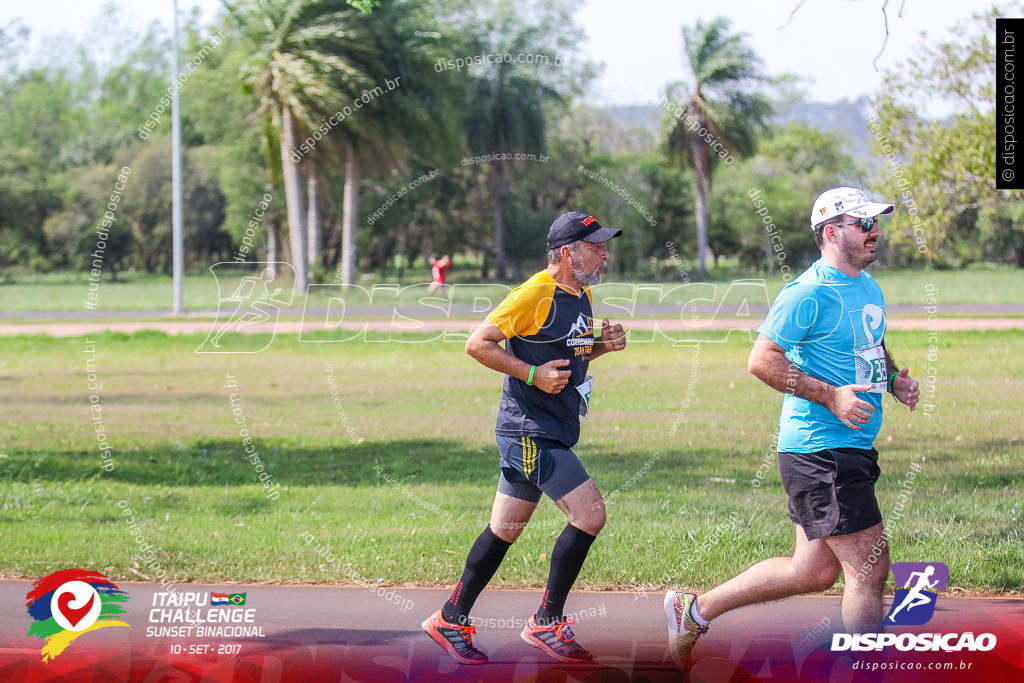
(457, 640)
(557, 640)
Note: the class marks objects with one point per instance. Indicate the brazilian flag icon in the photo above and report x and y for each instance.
(237, 598)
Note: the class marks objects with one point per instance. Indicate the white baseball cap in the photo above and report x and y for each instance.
(848, 200)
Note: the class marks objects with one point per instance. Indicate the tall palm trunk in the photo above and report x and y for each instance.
(294, 197)
(273, 228)
(400, 254)
(702, 171)
(499, 224)
(273, 234)
(350, 210)
(313, 222)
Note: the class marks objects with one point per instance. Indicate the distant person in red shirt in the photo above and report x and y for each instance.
(437, 268)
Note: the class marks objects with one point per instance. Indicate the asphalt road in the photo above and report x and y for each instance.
(355, 634)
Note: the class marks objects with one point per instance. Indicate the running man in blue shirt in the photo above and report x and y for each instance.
(823, 346)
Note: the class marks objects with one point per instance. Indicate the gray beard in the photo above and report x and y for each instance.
(586, 279)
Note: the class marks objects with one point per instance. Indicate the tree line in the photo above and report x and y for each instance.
(346, 136)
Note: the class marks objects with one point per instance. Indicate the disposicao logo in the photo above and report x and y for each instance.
(70, 603)
(914, 605)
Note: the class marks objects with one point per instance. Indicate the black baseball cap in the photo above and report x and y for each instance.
(576, 225)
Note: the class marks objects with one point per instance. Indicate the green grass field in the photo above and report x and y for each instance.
(395, 472)
(58, 292)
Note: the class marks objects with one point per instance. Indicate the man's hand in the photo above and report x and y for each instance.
(905, 388)
(845, 405)
(549, 379)
(613, 337)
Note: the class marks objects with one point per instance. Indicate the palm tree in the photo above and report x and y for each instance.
(315, 166)
(506, 115)
(292, 74)
(313, 218)
(721, 107)
(316, 58)
(270, 146)
(396, 46)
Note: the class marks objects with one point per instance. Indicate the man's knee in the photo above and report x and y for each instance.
(871, 574)
(591, 520)
(823, 577)
(508, 531)
(815, 572)
(874, 573)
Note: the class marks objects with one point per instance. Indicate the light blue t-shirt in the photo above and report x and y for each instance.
(831, 326)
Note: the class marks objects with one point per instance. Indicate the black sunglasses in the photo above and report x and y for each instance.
(865, 224)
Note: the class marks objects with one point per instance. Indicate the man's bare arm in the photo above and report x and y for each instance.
(769, 364)
(484, 345)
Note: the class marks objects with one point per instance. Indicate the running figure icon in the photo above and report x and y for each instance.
(249, 300)
(251, 305)
(915, 597)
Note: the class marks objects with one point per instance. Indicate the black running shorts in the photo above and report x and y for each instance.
(832, 492)
(531, 466)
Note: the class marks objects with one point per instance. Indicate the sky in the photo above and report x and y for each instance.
(829, 44)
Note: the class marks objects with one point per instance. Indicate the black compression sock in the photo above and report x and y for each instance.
(567, 558)
(483, 560)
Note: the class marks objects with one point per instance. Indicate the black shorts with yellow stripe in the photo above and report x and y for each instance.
(532, 465)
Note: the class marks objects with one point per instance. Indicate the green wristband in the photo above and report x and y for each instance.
(529, 380)
(893, 375)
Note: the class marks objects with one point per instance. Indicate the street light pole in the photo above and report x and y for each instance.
(177, 248)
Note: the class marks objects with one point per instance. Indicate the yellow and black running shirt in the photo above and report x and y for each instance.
(545, 321)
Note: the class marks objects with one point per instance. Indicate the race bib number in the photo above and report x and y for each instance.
(585, 390)
(873, 359)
